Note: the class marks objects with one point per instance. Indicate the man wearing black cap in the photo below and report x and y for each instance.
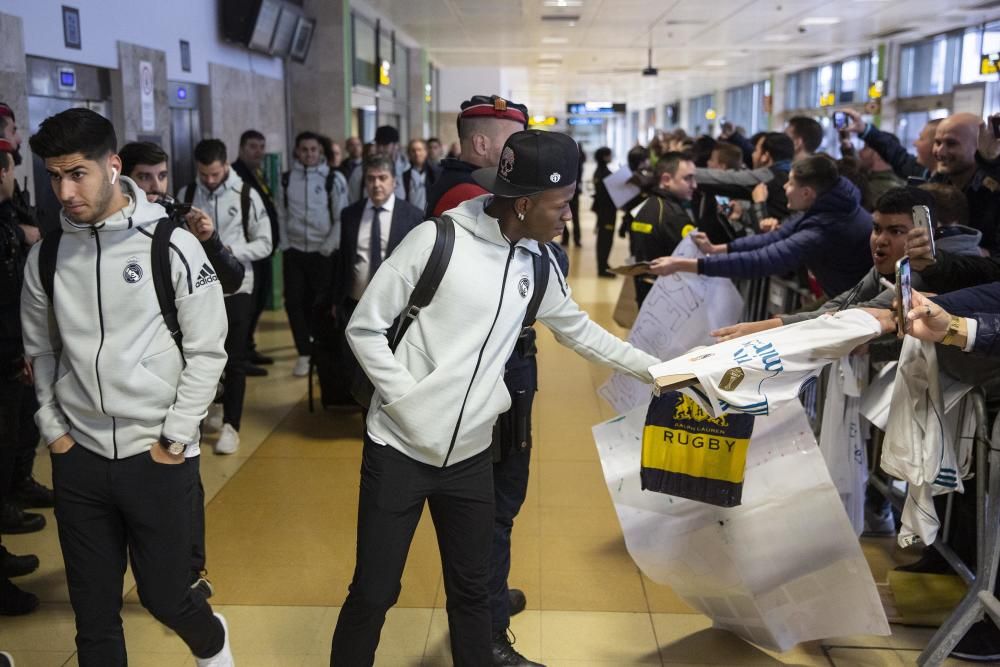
(386, 143)
(437, 397)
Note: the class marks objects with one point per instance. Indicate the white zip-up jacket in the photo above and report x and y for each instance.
(437, 398)
(107, 371)
(223, 205)
(311, 222)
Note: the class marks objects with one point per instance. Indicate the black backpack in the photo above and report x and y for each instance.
(160, 258)
(244, 206)
(328, 184)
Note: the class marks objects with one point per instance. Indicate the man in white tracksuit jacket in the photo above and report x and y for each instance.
(120, 400)
(222, 194)
(430, 424)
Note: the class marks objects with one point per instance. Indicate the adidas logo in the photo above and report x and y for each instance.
(206, 276)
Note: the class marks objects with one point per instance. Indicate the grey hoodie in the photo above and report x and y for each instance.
(437, 398)
(311, 222)
(107, 371)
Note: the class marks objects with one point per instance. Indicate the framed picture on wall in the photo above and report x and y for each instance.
(71, 27)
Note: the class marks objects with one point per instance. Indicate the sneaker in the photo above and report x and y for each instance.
(301, 367)
(213, 422)
(30, 493)
(229, 440)
(6, 659)
(516, 601)
(16, 566)
(504, 654)
(15, 521)
(258, 359)
(254, 371)
(980, 644)
(931, 562)
(879, 525)
(223, 658)
(203, 586)
(14, 601)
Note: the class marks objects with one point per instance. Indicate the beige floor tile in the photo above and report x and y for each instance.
(572, 484)
(142, 659)
(51, 627)
(42, 658)
(593, 590)
(526, 627)
(904, 637)
(861, 657)
(284, 630)
(662, 599)
(627, 639)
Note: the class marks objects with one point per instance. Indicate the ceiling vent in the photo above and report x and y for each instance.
(893, 32)
(989, 4)
(565, 18)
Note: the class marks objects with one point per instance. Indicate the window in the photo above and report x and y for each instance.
(975, 42)
(850, 81)
(364, 51)
(930, 67)
(697, 122)
(745, 106)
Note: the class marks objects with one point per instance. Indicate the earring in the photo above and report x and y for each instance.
(520, 216)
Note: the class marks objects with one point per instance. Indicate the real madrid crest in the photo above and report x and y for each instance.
(132, 272)
(523, 285)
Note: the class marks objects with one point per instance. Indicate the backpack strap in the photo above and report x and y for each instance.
(285, 178)
(245, 210)
(541, 266)
(430, 277)
(162, 279)
(189, 192)
(407, 181)
(330, 177)
(47, 254)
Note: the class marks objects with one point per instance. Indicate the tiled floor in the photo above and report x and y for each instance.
(281, 528)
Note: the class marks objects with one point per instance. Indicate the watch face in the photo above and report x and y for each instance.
(176, 448)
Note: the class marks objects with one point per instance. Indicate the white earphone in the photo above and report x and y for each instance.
(114, 175)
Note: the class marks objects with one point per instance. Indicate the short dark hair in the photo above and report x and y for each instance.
(779, 146)
(140, 152)
(636, 156)
(75, 131)
(378, 161)
(250, 134)
(430, 139)
(903, 199)
(386, 134)
(6, 161)
(728, 154)
(702, 149)
(209, 151)
(818, 172)
(602, 154)
(669, 162)
(808, 130)
(951, 207)
(306, 136)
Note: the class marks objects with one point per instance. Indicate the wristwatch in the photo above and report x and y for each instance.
(172, 446)
(954, 329)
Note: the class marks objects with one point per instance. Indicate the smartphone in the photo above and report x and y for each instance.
(904, 294)
(839, 120)
(995, 124)
(922, 218)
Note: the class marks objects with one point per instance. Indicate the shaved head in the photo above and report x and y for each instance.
(955, 144)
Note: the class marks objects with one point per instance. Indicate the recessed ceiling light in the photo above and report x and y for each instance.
(563, 3)
(555, 40)
(715, 63)
(820, 20)
(777, 38)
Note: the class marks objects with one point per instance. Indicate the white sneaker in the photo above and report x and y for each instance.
(229, 440)
(223, 658)
(8, 657)
(213, 422)
(301, 367)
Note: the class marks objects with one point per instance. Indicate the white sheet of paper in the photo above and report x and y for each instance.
(619, 189)
(782, 568)
(677, 316)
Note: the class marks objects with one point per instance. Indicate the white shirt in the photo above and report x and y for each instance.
(362, 273)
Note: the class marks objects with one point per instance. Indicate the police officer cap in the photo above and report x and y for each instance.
(493, 106)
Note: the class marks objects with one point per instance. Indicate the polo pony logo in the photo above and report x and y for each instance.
(688, 410)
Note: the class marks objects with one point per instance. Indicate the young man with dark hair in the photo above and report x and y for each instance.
(240, 217)
(124, 414)
(664, 220)
(829, 235)
(806, 134)
(249, 167)
(386, 143)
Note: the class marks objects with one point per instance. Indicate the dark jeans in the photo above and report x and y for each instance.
(234, 382)
(263, 284)
(18, 434)
(605, 238)
(574, 207)
(197, 520)
(106, 508)
(307, 280)
(394, 488)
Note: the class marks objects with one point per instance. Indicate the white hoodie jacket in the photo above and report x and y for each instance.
(307, 225)
(107, 371)
(223, 206)
(436, 400)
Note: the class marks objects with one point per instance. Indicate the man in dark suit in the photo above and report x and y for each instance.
(370, 230)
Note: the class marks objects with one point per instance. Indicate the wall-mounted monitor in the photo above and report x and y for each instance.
(302, 39)
(285, 31)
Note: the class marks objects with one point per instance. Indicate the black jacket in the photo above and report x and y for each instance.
(265, 193)
(659, 226)
(453, 186)
(405, 216)
(13, 253)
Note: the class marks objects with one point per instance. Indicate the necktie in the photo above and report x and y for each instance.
(375, 244)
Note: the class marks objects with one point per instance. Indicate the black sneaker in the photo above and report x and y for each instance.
(254, 371)
(931, 562)
(6, 659)
(30, 493)
(16, 566)
(980, 644)
(14, 601)
(516, 601)
(15, 521)
(258, 359)
(504, 654)
(204, 586)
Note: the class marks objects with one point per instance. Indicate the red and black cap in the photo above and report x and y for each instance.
(6, 111)
(492, 106)
(7, 147)
(532, 161)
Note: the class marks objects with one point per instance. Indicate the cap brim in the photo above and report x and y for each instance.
(488, 179)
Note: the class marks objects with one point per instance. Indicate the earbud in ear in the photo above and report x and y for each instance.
(114, 175)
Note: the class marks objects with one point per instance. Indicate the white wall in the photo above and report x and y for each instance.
(460, 83)
(156, 25)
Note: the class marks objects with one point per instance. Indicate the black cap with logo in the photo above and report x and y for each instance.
(532, 161)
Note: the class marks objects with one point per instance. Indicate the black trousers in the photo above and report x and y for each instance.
(394, 488)
(307, 280)
(197, 520)
(574, 207)
(18, 434)
(106, 509)
(263, 283)
(605, 238)
(234, 382)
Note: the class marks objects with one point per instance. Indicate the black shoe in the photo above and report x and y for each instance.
(516, 601)
(606, 274)
(14, 601)
(980, 644)
(504, 654)
(30, 493)
(258, 359)
(6, 659)
(254, 371)
(931, 562)
(204, 586)
(16, 566)
(15, 521)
